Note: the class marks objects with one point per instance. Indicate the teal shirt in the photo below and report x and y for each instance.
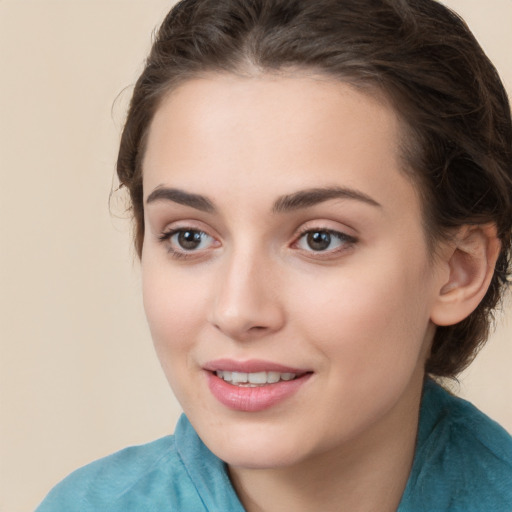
(463, 463)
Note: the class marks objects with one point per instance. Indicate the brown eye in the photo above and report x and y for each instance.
(318, 240)
(324, 240)
(189, 239)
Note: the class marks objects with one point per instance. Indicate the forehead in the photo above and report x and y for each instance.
(227, 133)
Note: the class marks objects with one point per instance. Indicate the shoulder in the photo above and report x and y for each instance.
(466, 430)
(174, 473)
(146, 477)
(463, 458)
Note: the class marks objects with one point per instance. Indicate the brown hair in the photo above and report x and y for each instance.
(420, 54)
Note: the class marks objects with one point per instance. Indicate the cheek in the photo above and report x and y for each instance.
(173, 306)
(174, 313)
(369, 316)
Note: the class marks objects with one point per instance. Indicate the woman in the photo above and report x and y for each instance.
(322, 199)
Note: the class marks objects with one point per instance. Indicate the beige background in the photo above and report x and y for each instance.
(78, 377)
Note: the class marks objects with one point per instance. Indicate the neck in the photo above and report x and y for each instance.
(369, 475)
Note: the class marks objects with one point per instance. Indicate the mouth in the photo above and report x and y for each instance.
(253, 386)
(255, 379)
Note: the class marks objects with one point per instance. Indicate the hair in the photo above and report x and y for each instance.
(418, 53)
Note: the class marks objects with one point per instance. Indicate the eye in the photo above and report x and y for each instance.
(324, 240)
(183, 241)
(190, 240)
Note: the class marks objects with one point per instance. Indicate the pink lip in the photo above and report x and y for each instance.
(252, 399)
(250, 366)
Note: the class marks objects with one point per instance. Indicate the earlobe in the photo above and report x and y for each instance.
(470, 263)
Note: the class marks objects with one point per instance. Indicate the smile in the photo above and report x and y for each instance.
(254, 379)
(253, 386)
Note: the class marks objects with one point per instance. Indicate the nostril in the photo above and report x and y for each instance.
(239, 318)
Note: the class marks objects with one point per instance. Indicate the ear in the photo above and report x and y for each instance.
(469, 263)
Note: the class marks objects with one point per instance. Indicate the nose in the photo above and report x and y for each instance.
(246, 302)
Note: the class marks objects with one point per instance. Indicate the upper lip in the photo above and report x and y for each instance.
(250, 366)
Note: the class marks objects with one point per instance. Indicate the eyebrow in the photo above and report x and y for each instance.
(175, 195)
(313, 196)
(290, 202)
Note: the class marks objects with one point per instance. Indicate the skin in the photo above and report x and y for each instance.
(358, 315)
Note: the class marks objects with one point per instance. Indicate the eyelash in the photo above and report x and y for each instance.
(347, 241)
(166, 237)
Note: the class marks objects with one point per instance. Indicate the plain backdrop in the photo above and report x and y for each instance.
(78, 377)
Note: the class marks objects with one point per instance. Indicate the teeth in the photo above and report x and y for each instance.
(273, 377)
(227, 376)
(238, 377)
(258, 378)
(254, 379)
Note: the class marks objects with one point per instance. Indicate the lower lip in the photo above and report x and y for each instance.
(253, 399)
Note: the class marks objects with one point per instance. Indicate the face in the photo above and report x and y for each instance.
(286, 278)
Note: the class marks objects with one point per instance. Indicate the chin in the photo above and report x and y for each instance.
(258, 458)
(256, 447)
